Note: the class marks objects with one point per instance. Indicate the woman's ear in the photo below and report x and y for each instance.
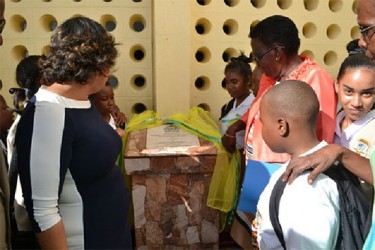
(337, 86)
(278, 52)
(283, 127)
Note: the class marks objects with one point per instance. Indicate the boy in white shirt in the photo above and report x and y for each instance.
(308, 214)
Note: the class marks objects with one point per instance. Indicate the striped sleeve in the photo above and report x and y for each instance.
(45, 163)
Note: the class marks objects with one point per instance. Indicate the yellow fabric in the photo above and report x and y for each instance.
(222, 190)
(146, 119)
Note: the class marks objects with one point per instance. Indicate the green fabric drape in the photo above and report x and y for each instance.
(224, 185)
(223, 191)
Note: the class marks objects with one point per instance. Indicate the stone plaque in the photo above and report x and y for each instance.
(170, 136)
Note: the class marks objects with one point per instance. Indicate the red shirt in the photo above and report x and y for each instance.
(322, 83)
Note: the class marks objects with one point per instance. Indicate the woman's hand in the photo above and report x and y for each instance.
(319, 161)
(229, 138)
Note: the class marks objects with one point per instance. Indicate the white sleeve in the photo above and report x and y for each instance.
(45, 162)
(309, 214)
(10, 139)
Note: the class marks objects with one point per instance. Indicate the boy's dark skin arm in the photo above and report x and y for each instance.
(120, 118)
(324, 158)
(229, 138)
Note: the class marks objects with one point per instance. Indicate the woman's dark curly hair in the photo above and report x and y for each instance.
(278, 30)
(80, 49)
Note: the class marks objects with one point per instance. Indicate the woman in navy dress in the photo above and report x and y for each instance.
(74, 194)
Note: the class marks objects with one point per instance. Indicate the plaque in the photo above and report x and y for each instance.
(169, 138)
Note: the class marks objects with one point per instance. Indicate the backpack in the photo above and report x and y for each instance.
(355, 209)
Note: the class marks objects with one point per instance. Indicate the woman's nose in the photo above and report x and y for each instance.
(356, 101)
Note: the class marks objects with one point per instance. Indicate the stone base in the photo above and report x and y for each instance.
(170, 212)
(170, 196)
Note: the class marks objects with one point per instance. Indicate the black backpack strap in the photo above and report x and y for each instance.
(276, 194)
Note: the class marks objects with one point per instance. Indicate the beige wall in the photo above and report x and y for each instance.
(169, 42)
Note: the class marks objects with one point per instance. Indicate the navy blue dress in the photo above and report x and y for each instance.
(67, 155)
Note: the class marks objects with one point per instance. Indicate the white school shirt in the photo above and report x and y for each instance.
(233, 115)
(359, 136)
(112, 122)
(308, 214)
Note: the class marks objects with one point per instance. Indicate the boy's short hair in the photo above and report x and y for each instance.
(294, 99)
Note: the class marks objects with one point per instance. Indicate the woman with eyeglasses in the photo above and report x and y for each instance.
(366, 24)
(275, 44)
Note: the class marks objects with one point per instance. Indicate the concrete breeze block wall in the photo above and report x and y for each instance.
(173, 52)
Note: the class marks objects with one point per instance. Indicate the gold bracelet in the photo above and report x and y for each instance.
(230, 136)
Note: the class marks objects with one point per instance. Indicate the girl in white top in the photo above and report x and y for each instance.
(104, 100)
(355, 87)
(237, 82)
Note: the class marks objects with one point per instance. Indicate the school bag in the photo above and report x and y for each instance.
(355, 209)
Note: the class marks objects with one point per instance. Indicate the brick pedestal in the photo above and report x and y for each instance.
(169, 195)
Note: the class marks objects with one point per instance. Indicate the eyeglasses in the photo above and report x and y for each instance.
(257, 59)
(365, 32)
(2, 25)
